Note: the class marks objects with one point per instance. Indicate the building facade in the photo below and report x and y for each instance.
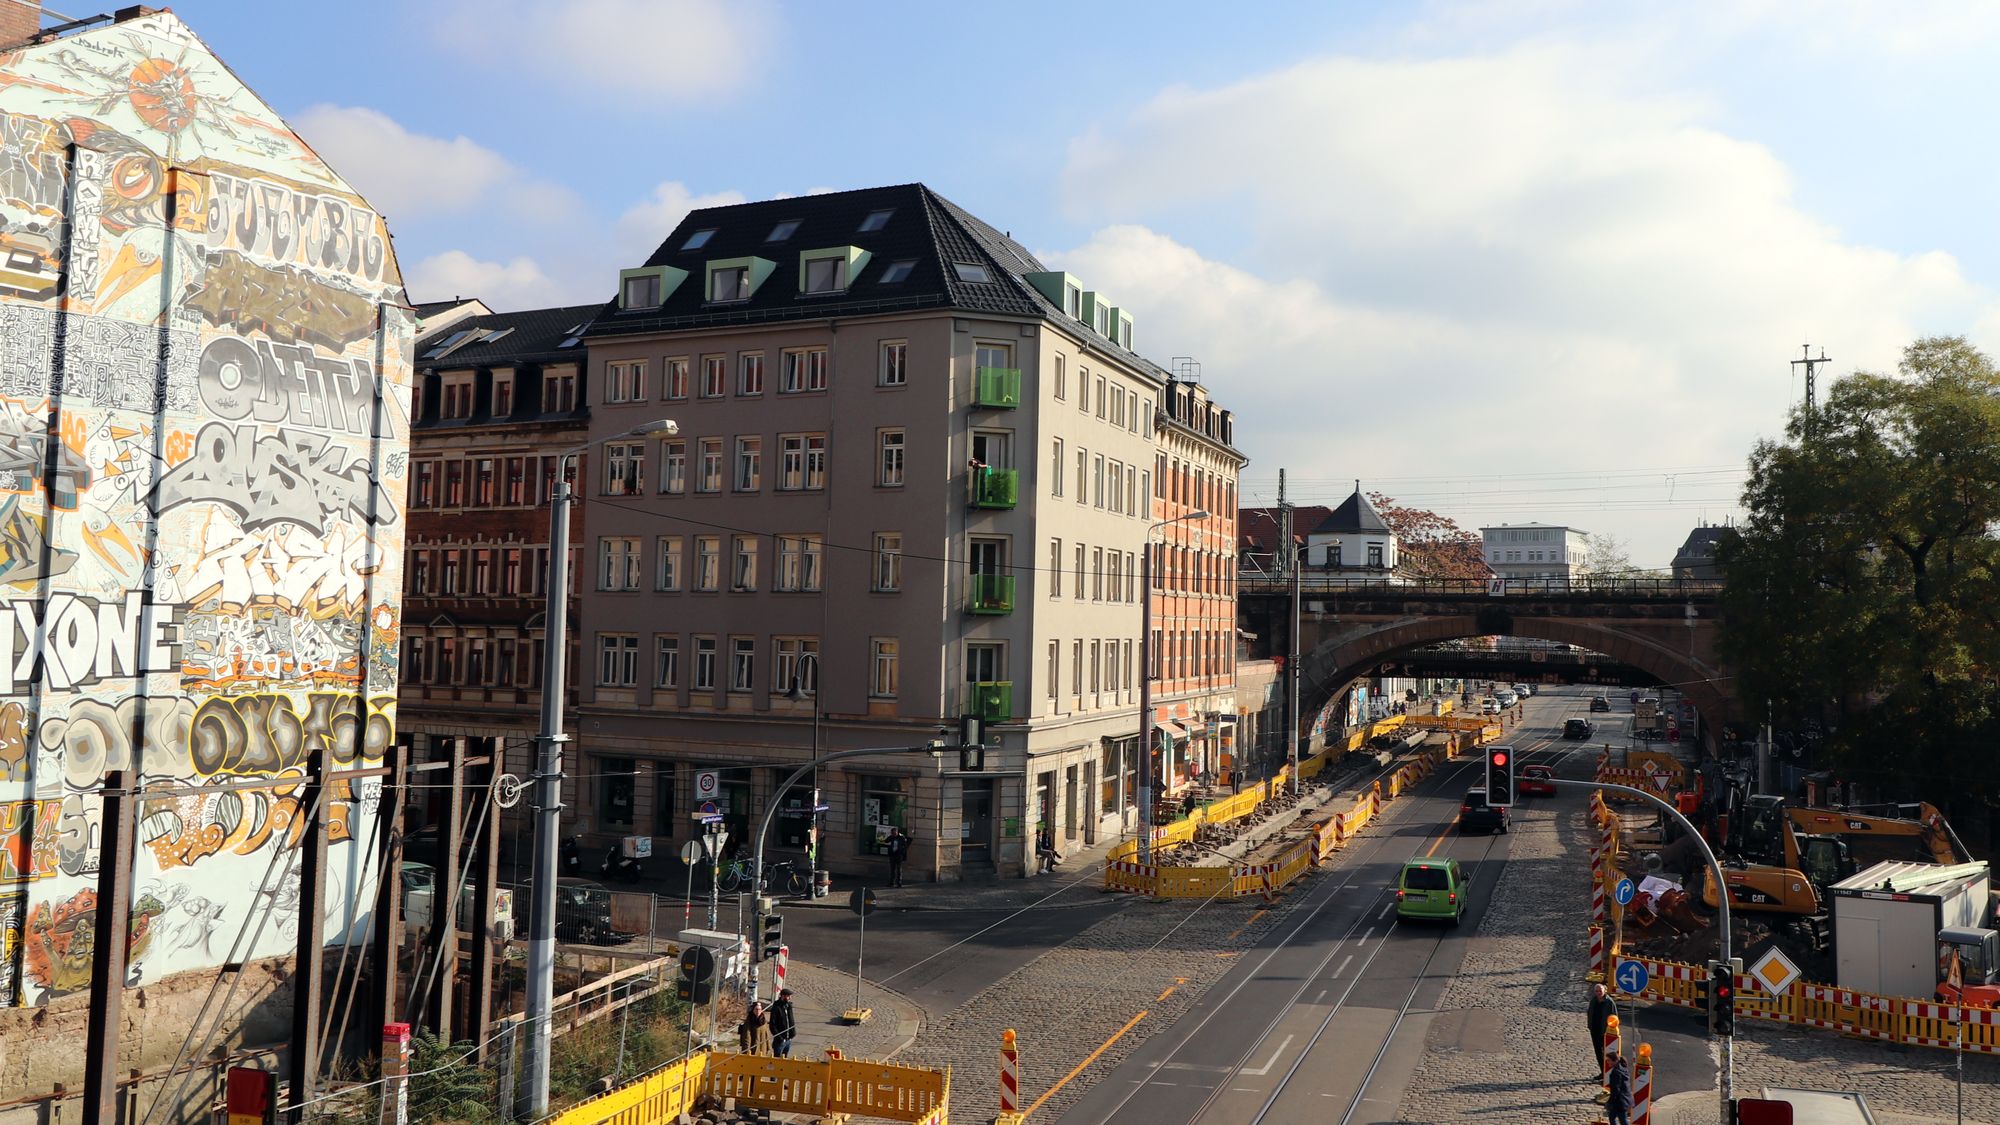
(206, 399)
(912, 482)
(1537, 551)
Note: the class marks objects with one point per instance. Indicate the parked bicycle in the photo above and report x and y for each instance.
(780, 876)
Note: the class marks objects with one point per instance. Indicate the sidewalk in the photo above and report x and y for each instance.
(820, 995)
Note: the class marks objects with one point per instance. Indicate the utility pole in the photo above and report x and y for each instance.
(1288, 565)
(1811, 364)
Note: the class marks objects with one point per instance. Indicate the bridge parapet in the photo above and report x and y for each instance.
(1676, 590)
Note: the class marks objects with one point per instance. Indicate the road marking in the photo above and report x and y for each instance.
(1087, 1060)
(1363, 939)
(1322, 992)
(1343, 964)
(1386, 908)
(1164, 995)
(1273, 1060)
(1253, 918)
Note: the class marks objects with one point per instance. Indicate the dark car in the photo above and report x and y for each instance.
(1576, 730)
(583, 913)
(1599, 703)
(1475, 815)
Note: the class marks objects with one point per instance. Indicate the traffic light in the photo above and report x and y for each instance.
(1499, 776)
(772, 937)
(1721, 998)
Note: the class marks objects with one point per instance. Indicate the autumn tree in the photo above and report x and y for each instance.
(1608, 557)
(1429, 545)
(1864, 591)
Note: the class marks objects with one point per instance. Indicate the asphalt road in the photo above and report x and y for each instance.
(1327, 1018)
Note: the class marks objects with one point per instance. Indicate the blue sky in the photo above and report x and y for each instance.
(1510, 261)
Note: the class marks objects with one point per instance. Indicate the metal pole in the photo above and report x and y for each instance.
(716, 840)
(860, 946)
(1727, 1066)
(1297, 571)
(1146, 701)
(113, 912)
(812, 810)
(548, 810)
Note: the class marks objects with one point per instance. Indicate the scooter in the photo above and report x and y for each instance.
(621, 867)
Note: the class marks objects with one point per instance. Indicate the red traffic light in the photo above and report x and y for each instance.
(1499, 757)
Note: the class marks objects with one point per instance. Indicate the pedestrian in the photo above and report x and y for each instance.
(1045, 850)
(1602, 1008)
(1189, 804)
(753, 1035)
(1618, 1107)
(784, 1024)
(897, 847)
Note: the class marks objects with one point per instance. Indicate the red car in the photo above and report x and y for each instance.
(1538, 781)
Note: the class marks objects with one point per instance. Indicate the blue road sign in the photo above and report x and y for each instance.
(1631, 977)
(1624, 892)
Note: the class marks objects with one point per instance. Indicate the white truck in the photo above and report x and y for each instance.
(1887, 921)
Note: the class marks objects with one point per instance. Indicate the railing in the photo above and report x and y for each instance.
(997, 388)
(993, 488)
(813, 1088)
(991, 700)
(1676, 589)
(992, 595)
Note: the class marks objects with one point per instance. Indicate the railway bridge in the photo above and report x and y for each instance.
(1661, 630)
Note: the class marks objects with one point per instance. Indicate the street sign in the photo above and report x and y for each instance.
(691, 853)
(707, 785)
(1774, 972)
(1624, 892)
(1631, 977)
(862, 902)
(708, 813)
(697, 963)
(1661, 779)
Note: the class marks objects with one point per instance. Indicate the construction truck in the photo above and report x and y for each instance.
(1969, 966)
(1925, 837)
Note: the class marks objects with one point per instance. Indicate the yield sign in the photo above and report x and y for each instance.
(1660, 779)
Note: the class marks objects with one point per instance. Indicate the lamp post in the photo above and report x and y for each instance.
(797, 692)
(533, 1101)
(1146, 684)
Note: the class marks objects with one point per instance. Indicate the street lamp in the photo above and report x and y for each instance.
(795, 693)
(1146, 684)
(534, 1095)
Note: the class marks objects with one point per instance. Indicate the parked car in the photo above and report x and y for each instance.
(1536, 781)
(1524, 690)
(1576, 730)
(1507, 699)
(1432, 888)
(1475, 815)
(420, 895)
(1599, 703)
(1489, 706)
(583, 913)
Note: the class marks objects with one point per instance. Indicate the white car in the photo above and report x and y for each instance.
(1489, 706)
(1507, 699)
(1524, 690)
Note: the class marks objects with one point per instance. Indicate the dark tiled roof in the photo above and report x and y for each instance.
(1699, 548)
(1355, 514)
(1257, 528)
(426, 309)
(924, 228)
(536, 334)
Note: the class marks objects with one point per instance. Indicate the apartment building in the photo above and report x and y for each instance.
(1538, 551)
(498, 397)
(913, 479)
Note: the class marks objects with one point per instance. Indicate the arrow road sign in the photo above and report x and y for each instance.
(1624, 892)
(1631, 977)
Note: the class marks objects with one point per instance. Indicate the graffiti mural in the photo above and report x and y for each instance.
(205, 364)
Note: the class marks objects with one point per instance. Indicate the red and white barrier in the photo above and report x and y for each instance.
(1010, 1078)
(784, 961)
(1596, 971)
(1642, 1092)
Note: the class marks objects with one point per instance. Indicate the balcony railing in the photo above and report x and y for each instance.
(992, 595)
(991, 700)
(994, 488)
(997, 388)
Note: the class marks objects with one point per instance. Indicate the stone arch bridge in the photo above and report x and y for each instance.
(1664, 629)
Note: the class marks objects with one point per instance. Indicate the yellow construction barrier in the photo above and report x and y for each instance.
(829, 1086)
(660, 1096)
(1194, 882)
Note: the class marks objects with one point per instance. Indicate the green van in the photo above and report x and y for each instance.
(1432, 888)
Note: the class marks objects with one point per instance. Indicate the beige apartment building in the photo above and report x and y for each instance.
(914, 475)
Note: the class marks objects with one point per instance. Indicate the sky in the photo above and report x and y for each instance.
(1533, 261)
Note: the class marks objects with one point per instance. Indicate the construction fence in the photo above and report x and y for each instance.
(830, 1086)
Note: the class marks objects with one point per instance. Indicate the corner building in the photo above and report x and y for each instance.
(913, 479)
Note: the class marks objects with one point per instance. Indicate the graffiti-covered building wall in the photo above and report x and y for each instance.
(204, 383)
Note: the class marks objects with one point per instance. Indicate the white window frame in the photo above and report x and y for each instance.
(710, 466)
(618, 561)
(749, 464)
(666, 662)
(891, 463)
(804, 369)
(625, 381)
(673, 468)
(667, 575)
(617, 660)
(707, 563)
(704, 663)
(884, 667)
(743, 562)
(888, 576)
(750, 374)
(742, 665)
(894, 367)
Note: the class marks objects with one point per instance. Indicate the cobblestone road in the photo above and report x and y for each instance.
(1523, 978)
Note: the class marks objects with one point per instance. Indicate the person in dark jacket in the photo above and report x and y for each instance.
(753, 1035)
(1602, 1008)
(784, 1025)
(897, 847)
(1618, 1109)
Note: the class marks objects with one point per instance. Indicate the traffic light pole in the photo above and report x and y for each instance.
(764, 829)
(1726, 1067)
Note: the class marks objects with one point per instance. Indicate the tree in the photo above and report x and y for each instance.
(1607, 557)
(1429, 545)
(1864, 590)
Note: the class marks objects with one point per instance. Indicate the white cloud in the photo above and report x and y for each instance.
(516, 284)
(402, 173)
(684, 49)
(1507, 264)
(643, 225)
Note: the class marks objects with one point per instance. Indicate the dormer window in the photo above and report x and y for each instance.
(826, 275)
(641, 292)
(876, 220)
(1073, 301)
(898, 271)
(783, 231)
(732, 283)
(971, 271)
(698, 239)
(1125, 332)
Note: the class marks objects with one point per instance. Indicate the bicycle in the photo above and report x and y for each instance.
(782, 874)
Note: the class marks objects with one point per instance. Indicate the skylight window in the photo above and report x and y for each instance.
(447, 343)
(876, 220)
(971, 271)
(897, 271)
(782, 231)
(698, 239)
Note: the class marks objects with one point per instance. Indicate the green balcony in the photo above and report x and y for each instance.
(992, 595)
(991, 700)
(997, 388)
(994, 488)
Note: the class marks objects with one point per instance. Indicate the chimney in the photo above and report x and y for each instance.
(19, 21)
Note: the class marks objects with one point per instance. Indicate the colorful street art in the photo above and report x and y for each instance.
(205, 363)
